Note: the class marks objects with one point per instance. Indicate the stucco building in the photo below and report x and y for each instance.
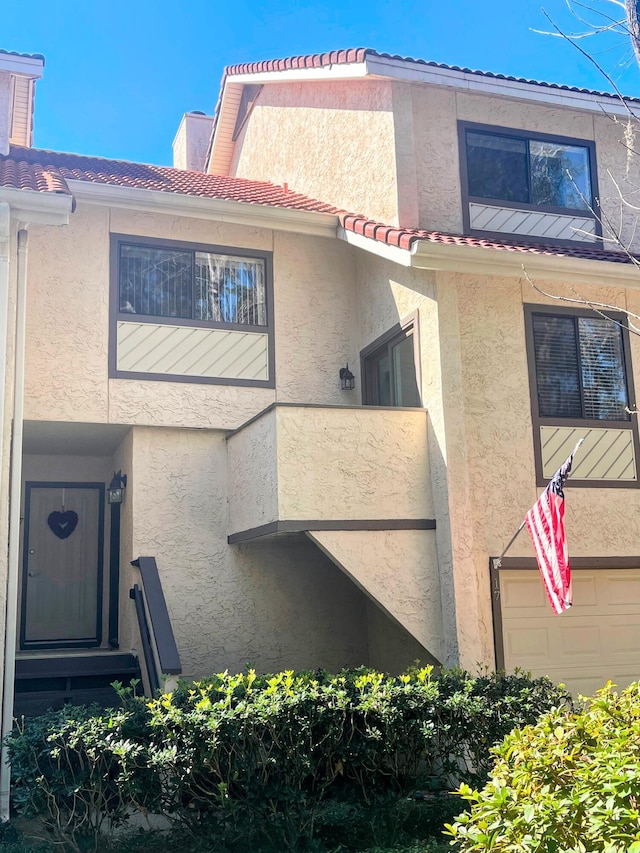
(192, 328)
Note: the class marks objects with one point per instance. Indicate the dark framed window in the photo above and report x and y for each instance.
(580, 366)
(390, 377)
(176, 282)
(530, 170)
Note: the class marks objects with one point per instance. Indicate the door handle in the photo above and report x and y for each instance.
(33, 574)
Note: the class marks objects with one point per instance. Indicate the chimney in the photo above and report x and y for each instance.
(192, 141)
(18, 75)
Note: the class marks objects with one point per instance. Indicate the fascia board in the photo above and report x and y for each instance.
(26, 65)
(38, 208)
(197, 207)
(338, 71)
(415, 73)
(498, 262)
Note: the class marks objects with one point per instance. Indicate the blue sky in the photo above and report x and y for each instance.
(119, 74)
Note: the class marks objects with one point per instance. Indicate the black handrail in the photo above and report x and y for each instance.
(145, 635)
(158, 626)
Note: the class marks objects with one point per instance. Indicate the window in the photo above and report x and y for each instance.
(389, 370)
(528, 170)
(580, 370)
(191, 284)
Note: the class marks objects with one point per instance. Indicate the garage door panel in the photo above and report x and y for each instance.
(596, 640)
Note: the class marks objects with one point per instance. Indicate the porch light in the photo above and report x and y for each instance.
(118, 484)
(347, 379)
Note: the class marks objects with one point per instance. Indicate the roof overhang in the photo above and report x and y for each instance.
(15, 63)
(38, 208)
(197, 207)
(476, 260)
(395, 69)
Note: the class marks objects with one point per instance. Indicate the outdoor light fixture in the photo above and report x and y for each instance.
(347, 379)
(118, 484)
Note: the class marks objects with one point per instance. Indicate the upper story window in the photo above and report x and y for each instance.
(528, 184)
(185, 312)
(186, 284)
(579, 368)
(582, 388)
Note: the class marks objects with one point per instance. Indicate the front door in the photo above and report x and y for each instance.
(62, 565)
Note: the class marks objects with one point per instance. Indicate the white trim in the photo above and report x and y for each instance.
(448, 257)
(21, 65)
(399, 69)
(477, 260)
(220, 210)
(337, 71)
(375, 247)
(415, 72)
(40, 208)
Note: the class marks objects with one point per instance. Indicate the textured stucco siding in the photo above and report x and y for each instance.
(436, 112)
(327, 140)
(330, 464)
(68, 324)
(272, 604)
(498, 440)
(397, 569)
(352, 464)
(253, 474)
(388, 294)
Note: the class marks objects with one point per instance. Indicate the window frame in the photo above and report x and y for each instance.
(589, 423)
(117, 316)
(408, 326)
(526, 135)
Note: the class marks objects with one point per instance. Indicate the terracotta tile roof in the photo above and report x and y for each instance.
(404, 238)
(49, 171)
(359, 54)
(24, 55)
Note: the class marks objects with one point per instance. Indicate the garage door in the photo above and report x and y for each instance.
(597, 640)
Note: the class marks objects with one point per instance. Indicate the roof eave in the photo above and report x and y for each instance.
(38, 208)
(485, 261)
(200, 207)
(502, 262)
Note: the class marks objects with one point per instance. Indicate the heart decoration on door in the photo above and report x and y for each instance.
(62, 524)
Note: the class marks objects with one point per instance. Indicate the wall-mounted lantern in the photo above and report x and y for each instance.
(118, 484)
(347, 379)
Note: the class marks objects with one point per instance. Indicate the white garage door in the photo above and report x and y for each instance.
(596, 640)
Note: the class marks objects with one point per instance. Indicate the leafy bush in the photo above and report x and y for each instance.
(569, 783)
(281, 762)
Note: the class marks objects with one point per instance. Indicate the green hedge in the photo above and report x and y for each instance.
(291, 761)
(569, 783)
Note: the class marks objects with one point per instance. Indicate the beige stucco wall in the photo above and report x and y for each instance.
(326, 140)
(68, 324)
(296, 463)
(271, 603)
(398, 570)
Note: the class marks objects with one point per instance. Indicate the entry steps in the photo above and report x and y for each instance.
(52, 681)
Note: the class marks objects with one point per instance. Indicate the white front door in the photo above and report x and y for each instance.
(62, 565)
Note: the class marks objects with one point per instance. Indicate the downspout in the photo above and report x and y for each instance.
(15, 488)
(5, 268)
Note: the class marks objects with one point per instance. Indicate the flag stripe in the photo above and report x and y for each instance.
(545, 523)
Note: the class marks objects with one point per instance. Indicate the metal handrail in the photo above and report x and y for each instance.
(155, 631)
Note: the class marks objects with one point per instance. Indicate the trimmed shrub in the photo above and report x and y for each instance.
(279, 762)
(569, 783)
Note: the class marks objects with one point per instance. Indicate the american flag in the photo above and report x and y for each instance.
(545, 522)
